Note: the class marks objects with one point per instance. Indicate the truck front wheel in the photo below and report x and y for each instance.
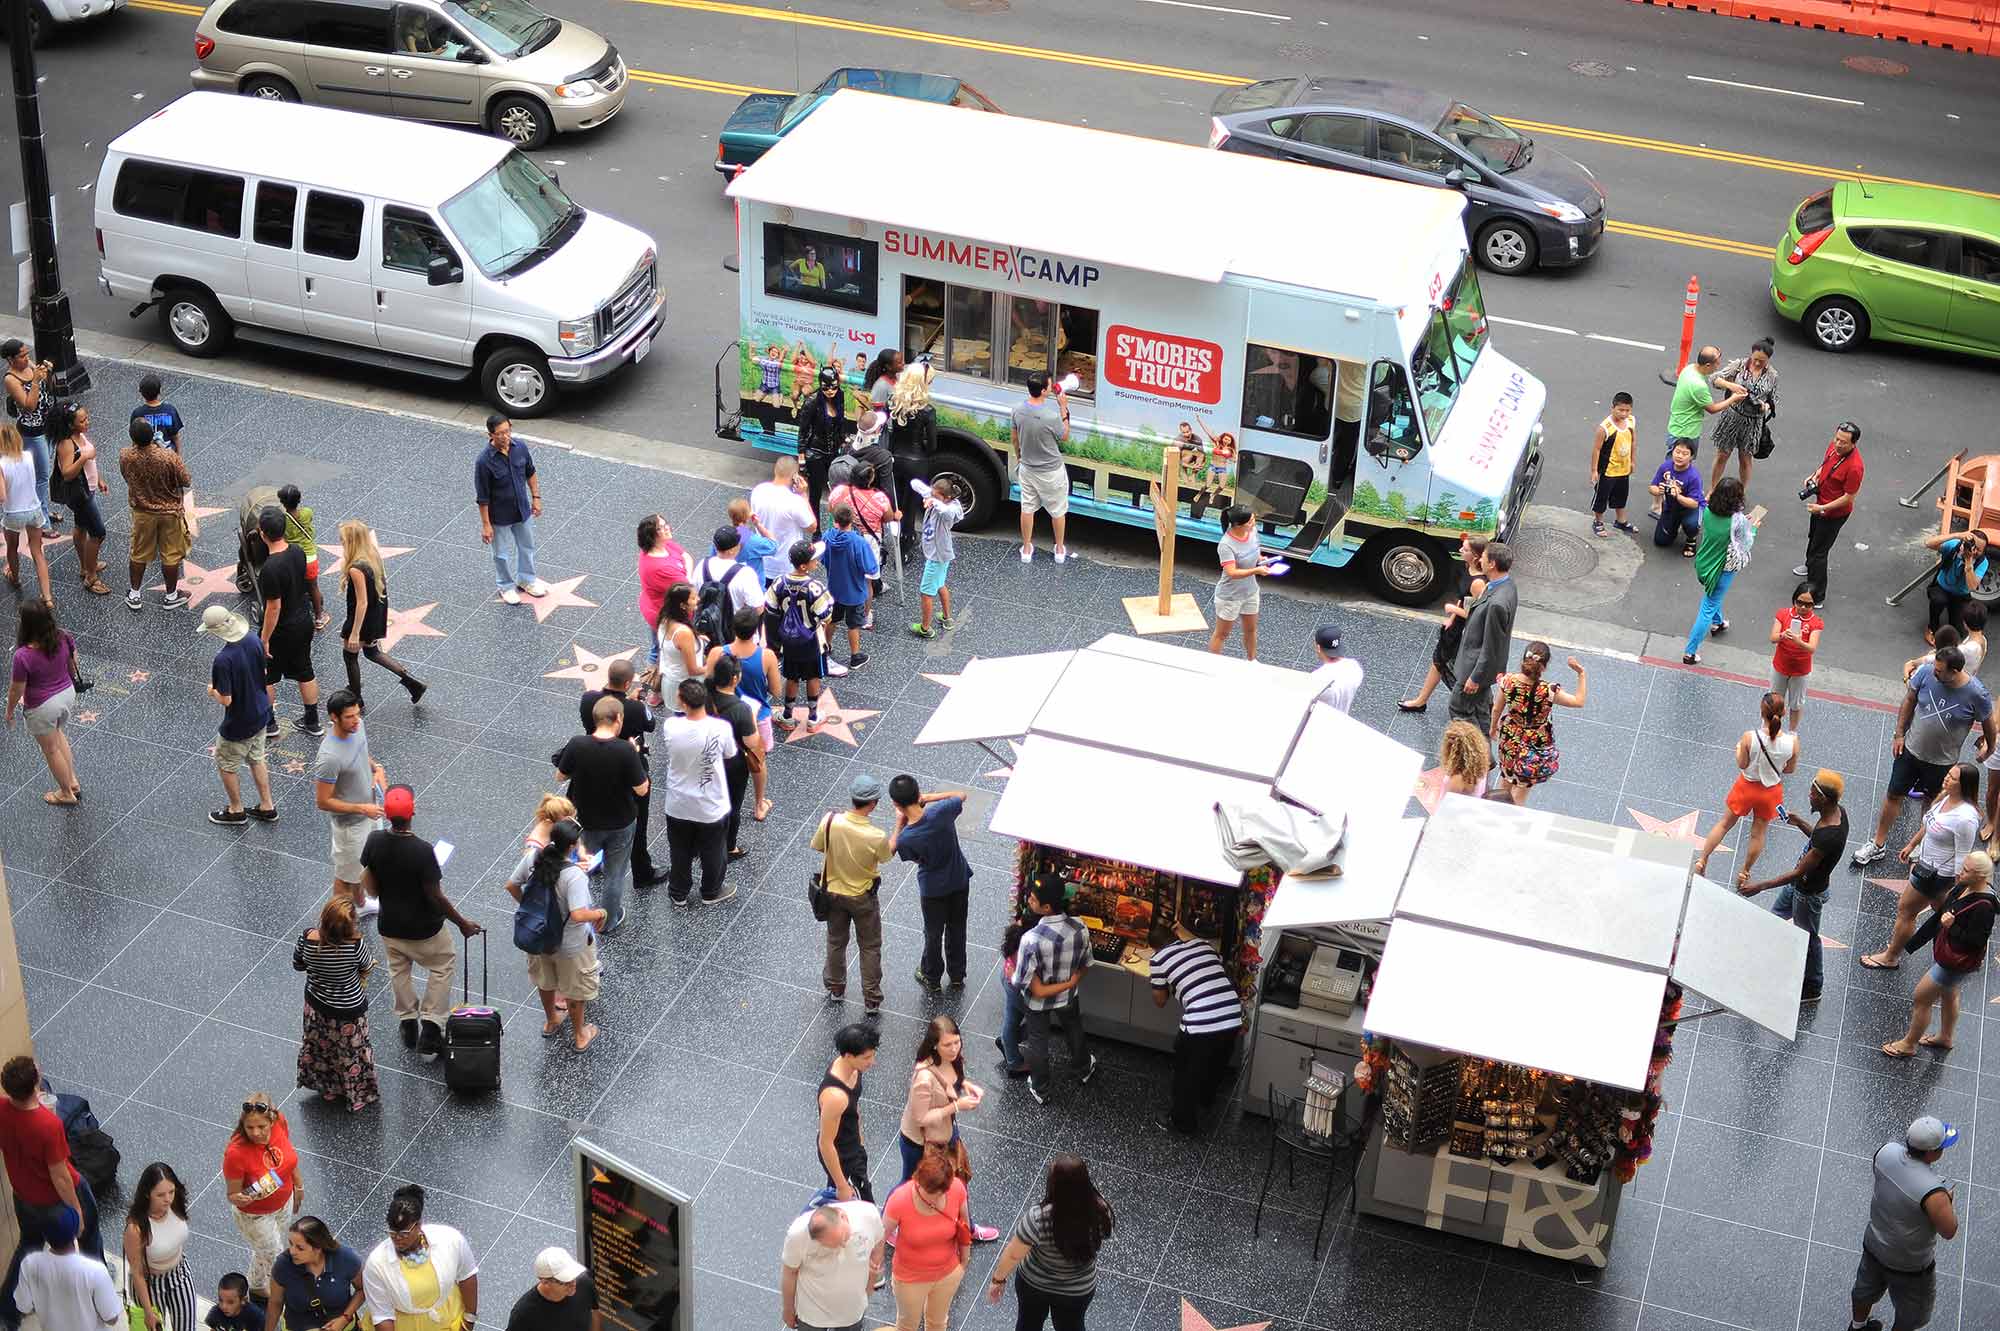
(1404, 567)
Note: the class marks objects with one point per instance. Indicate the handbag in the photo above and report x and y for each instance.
(1765, 444)
(817, 894)
(79, 681)
(1948, 954)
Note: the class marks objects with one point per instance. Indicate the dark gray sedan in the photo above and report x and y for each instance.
(1525, 204)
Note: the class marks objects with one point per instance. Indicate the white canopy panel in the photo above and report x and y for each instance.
(1121, 807)
(1515, 1003)
(1544, 878)
(1742, 956)
(1373, 862)
(995, 698)
(1340, 765)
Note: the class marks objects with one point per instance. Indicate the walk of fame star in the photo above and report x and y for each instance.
(947, 680)
(410, 624)
(588, 666)
(559, 595)
(334, 567)
(1192, 1320)
(1895, 885)
(1430, 789)
(1004, 773)
(139, 676)
(198, 583)
(1683, 828)
(89, 717)
(295, 766)
(835, 721)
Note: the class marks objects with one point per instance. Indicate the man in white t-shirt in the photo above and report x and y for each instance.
(695, 745)
(832, 1255)
(780, 504)
(69, 1291)
(1338, 677)
(726, 566)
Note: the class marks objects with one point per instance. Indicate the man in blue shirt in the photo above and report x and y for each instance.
(162, 416)
(926, 835)
(850, 561)
(237, 682)
(508, 495)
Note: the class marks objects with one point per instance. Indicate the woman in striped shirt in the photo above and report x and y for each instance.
(335, 1058)
(1055, 1246)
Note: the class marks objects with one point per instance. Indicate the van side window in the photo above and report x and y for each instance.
(333, 225)
(351, 27)
(199, 200)
(1287, 392)
(411, 240)
(277, 205)
(818, 267)
(273, 20)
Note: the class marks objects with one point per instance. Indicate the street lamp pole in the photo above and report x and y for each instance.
(48, 308)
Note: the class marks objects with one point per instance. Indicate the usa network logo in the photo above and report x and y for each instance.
(1009, 261)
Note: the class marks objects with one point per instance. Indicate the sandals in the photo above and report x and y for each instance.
(1892, 1051)
(95, 586)
(1935, 1042)
(1687, 552)
(1597, 529)
(59, 799)
(737, 853)
(763, 810)
(1874, 965)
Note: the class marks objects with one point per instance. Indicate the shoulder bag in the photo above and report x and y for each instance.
(817, 894)
(1765, 443)
(79, 681)
(1947, 953)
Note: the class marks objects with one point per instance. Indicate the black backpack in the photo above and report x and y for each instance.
(91, 1149)
(712, 610)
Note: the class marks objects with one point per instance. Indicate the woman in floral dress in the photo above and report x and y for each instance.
(1522, 705)
(335, 1058)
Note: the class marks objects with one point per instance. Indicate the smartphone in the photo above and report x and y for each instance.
(1784, 815)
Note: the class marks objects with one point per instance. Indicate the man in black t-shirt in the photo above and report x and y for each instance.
(638, 724)
(606, 781)
(1804, 889)
(288, 622)
(564, 1297)
(401, 869)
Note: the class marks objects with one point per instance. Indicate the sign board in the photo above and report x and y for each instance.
(636, 1236)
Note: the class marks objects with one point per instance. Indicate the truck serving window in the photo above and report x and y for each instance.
(1287, 392)
(955, 325)
(1055, 339)
(819, 268)
(1450, 347)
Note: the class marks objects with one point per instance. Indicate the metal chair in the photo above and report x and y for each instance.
(1289, 1128)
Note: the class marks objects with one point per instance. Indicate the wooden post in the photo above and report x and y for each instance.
(1166, 613)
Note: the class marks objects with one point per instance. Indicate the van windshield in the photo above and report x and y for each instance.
(511, 217)
(1450, 347)
(512, 26)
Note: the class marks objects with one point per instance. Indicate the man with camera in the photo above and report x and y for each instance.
(1828, 495)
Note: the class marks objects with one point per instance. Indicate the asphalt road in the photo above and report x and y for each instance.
(1700, 176)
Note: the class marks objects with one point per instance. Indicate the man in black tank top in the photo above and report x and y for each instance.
(841, 1153)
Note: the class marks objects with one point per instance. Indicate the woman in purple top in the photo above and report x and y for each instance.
(43, 691)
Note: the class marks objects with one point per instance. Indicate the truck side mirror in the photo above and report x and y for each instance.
(440, 271)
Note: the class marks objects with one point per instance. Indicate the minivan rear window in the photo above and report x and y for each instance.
(1815, 214)
(179, 196)
(1260, 96)
(273, 20)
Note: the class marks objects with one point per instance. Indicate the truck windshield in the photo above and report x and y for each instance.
(1450, 347)
(511, 216)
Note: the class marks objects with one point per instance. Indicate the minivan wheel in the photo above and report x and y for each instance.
(1404, 568)
(516, 379)
(522, 121)
(269, 88)
(1837, 324)
(1507, 246)
(195, 322)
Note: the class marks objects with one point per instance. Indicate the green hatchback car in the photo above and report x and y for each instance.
(1904, 263)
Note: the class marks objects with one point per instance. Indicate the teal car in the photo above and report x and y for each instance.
(1903, 263)
(762, 118)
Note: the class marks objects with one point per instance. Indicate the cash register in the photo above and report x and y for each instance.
(1316, 974)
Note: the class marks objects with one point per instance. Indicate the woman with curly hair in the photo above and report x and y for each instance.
(1464, 759)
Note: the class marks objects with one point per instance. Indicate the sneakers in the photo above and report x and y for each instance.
(856, 661)
(228, 817)
(927, 982)
(269, 815)
(869, 623)
(1036, 1091)
(1089, 1071)
(916, 630)
(132, 602)
(1799, 572)
(834, 669)
(946, 621)
(510, 596)
(409, 1025)
(312, 727)
(984, 1234)
(535, 588)
(173, 600)
(1028, 557)
(1062, 555)
(271, 731)
(369, 906)
(1720, 627)
(1868, 853)
(725, 894)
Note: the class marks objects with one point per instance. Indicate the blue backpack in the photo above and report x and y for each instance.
(538, 920)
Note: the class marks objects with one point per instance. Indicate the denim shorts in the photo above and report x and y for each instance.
(1949, 979)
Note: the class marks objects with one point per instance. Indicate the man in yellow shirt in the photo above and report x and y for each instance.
(855, 851)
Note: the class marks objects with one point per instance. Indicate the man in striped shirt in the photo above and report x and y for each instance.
(1049, 967)
(1211, 1019)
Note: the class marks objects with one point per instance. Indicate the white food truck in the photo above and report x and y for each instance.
(1315, 342)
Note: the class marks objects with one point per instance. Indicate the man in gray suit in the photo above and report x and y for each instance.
(1489, 632)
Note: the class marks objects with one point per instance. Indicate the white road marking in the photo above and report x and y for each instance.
(1785, 92)
(1221, 9)
(1624, 341)
(1523, 323)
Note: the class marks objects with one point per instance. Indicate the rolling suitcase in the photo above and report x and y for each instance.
(472, 1035)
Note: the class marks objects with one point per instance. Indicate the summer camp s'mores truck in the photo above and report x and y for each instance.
(1315, 342)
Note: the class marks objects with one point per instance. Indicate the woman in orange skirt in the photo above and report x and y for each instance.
(1764, 758)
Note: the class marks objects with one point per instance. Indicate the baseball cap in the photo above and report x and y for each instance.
(399, 802)
(557, 1264)
(726, 538)
(63, 1226)
(865, 787)
(1930, 1134)
(219, 621)
(11, 348)
(1328, 637)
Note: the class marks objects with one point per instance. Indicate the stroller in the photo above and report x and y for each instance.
(251, 552)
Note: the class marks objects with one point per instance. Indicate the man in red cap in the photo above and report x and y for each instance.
(401, 869)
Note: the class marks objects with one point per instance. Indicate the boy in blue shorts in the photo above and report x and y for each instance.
(850, 562)
(942, 512)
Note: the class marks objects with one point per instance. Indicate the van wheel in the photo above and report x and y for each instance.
(978, 482)
(1837, 324)
(1404, 568)
(522, 121)
(516, 379)
(1507, 246)
(268, 88)
(195, 322)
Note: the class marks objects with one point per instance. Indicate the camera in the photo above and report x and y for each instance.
(1808, 491)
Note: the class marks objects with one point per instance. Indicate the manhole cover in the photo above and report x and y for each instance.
(1875, 64)
(1546, 553)
(1300, 51)
(979, 6)
(1591, 69)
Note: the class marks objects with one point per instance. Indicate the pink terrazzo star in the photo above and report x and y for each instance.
(588, 666)
(559, 594)
(199, 583)
(1192, 1320)
(835, 721)
(331, 565)
(410, 624)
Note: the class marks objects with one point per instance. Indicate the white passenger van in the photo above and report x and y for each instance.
(409, 247)
(1315, 342)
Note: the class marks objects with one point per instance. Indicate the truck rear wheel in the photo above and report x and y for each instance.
(979, 480)
(1404, 567)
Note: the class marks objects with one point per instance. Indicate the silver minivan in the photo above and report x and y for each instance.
(407, 247)
(500, 64)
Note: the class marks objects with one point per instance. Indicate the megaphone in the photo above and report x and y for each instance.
(1069, 383)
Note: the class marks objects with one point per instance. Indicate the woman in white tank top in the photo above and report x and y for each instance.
(156, 1231)
(1948, 833)
(1764, 758)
